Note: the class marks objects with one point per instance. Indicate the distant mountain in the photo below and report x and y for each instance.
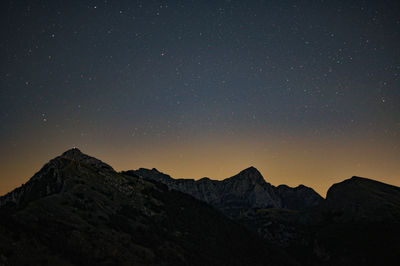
(78, 211)
(244, 191)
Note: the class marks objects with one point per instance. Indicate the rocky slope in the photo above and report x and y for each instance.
(78, 211)
(244, 191)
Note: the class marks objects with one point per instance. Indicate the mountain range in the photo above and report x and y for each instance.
(78, 210)
(246, 190)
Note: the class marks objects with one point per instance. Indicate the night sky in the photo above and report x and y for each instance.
(308, 92)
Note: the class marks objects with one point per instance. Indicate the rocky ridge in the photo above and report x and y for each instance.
(246, 190)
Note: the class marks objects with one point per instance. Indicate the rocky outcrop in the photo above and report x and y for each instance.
(76, 155)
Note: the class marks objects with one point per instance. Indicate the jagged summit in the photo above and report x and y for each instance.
(250, 169)
(72, 153)
(251, 174)
(245, 190)
(76, 155)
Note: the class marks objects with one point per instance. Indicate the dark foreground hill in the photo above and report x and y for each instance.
(78, 211)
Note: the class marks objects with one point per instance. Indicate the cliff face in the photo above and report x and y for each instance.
(244, 191)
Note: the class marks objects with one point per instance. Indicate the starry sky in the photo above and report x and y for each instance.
(308, 92)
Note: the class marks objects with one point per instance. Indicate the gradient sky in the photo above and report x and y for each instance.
(308, 92)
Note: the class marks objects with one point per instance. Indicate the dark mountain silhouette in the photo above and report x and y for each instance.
(244, 191)
(358, 224)
(78, 211)
(362, 199)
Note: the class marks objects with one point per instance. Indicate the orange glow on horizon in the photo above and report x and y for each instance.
(317, 163)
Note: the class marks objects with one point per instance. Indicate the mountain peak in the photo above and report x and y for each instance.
(358, 189)
(251, 173)
(251, 169)
(361, 198)
(50, 178)
(73, 153)
(359, 179)
(355, 185)
(76, 155)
